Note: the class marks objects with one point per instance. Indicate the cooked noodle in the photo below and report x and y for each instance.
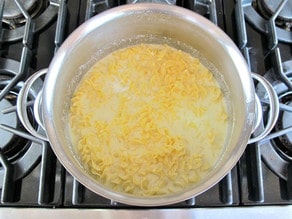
(148, 120)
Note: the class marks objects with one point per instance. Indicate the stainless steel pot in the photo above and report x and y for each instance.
(130, 24)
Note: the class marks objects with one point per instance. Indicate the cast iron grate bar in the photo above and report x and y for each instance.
(255, 179)
(240, 25)
(271, 26)
(286, 185)
(8, 184)
(78, 193)
(212, 10)
(61, 22)
(241, 30)
(191, 201)
(225, 190)
(278, 68)
(2, 3)
(96, 6)
(253, 154)
(289, 182)
(47, 175)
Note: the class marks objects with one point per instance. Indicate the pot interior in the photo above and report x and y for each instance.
(148, 23)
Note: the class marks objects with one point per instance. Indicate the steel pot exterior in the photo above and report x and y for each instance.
(101, 35)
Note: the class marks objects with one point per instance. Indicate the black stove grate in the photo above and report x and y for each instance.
(47, 184)
(35, 178)
(264, 50)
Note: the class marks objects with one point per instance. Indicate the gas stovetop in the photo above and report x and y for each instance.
(32, 31)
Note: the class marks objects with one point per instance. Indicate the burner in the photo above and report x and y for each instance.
(11, 146)
(259, 12)
(268, 7)
(42, 12)
(12, 15)
(277, 152)
(21, 153)
(7, 119)
(284, 142)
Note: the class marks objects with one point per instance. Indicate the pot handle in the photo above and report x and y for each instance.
(273, 113)
(22, 106)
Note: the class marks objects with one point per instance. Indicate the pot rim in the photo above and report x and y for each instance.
(102, 19)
